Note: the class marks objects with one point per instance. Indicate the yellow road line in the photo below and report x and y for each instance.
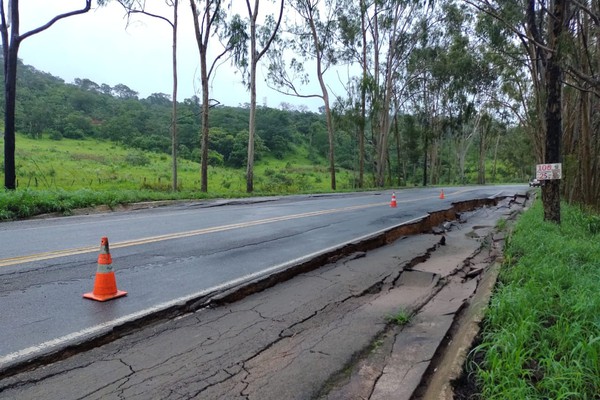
(153, 239)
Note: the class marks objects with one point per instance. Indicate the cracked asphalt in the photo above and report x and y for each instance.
(326, 334)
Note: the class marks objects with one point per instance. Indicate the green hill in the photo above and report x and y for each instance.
(70, 164)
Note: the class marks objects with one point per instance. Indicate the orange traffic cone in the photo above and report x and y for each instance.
(393, 202)
(105, 285)
(442, 195)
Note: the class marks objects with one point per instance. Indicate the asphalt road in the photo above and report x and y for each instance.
(168, 255)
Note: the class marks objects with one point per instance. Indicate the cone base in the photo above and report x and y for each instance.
(92, 296)
(393, 205)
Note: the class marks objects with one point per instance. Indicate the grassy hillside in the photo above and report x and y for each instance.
(69, 165)
(60, 175)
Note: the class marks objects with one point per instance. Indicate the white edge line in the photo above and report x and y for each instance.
(72, 337)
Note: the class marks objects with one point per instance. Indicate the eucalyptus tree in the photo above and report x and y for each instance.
(208, 17)
(581, 97)
(139, 7)
(379, 36)
(426, 86)
(540, 30)
(395, 30)
(468, 84)
(314, 40)
(354, 35)
(11, 40)
(262, 36)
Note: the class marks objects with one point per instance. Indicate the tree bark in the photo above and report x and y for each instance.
(252, 122)
(174, 141)
(10, 94)
(363, 99)
(553, 115)
(205, 128)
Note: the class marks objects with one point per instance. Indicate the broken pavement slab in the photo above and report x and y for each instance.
(415, 346)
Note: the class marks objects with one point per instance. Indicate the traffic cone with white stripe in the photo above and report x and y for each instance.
(393, 203)
(442, 195)
(105, 285)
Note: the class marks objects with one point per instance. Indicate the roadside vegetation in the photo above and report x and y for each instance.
(541, 334)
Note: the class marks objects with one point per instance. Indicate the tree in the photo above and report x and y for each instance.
(139, 6)
(315, 40)
(390, 32)
(267, 35)
(354, 36)
(540, 28)
(208, 16)
(11, 40)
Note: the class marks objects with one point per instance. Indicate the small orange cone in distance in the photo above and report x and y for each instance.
(442, 195)
(105, 285)
(393, 203)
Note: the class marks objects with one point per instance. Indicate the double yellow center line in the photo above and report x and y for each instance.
(152, 239)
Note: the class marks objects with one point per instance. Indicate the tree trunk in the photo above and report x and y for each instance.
(551, 188)
(252, 122)
(10, 95)
(174, 141)
(384, 119)
(482, 151)
(363, 99)
(325, 96)
(330, 132)
(398, 154)
(425, 161)
(494, 170)
(204, 138)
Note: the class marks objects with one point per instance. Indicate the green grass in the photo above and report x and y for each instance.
(541, 335)
(401, 318)
(59, 176)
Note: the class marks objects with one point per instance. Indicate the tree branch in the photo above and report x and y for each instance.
(264, 50)
(88, 5)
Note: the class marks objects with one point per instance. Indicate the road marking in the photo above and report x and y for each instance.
(4, 262)
(179, 235)
(105, 326)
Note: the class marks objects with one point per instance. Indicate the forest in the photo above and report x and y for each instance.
(444, 92)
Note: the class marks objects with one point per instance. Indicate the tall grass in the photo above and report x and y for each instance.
(541, 336)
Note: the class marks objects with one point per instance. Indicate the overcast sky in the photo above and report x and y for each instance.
(97, 46)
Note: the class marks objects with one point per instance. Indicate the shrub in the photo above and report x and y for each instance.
(137, 159)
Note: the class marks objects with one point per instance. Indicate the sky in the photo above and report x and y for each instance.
(101, 47)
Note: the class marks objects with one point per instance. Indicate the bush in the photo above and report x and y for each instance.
(54, 134)
(137, 159)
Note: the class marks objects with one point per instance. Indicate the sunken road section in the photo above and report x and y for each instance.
(230, 295)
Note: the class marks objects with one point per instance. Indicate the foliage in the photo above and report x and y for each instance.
(541, 337)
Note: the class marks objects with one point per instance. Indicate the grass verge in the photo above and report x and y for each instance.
(541, 335)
